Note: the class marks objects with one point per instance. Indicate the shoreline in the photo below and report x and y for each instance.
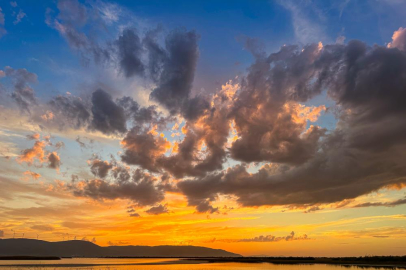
(273, 260)
(308, 261)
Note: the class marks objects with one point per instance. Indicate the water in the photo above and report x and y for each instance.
(157, 264)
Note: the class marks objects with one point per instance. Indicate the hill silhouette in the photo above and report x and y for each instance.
(80, 248)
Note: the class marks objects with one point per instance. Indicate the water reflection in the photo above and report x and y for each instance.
(163, 264)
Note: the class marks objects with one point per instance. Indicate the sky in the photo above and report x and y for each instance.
(259, 127)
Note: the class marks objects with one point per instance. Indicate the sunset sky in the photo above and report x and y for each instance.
(258, 127)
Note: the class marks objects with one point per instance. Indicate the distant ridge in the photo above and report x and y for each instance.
(80, 248)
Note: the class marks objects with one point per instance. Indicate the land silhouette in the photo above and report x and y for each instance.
(80, 248)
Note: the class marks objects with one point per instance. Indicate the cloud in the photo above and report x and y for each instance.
(210, 130)
(262, 119)
(306, 28)
(99, 112)
(70, 21)
(156, 54)
(1, 233)
(384, 232)
(398, 39)
(70, 111)
(12, 189)
(178, 69)
(2, 29)
(37, 152)
(54, 161)
(129, 53)
(272, 238)
(22, 94)
(205, 207)
(59, 145)
(364, 152)
(385, 204)
(142, 188)
(72, 12)
(100, 168)
(270, 122)
(108, 117)
(312, 209)
(46, 228)
(81, 144)
(20, 15)
(142, 148)
(172, 68)
(109, 12)
(158, 210)
(33, 175)
(34, 136)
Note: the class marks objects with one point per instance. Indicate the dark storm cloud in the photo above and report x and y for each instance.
(129, 52)
(331, 176)
(22, 93)
(108, 117)
(363, 154)
(158, 210)
(141, 188)
(176, 80)
(371, 85)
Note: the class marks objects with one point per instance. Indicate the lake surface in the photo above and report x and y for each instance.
(157, 264)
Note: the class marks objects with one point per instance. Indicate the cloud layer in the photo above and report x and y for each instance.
(265, 119)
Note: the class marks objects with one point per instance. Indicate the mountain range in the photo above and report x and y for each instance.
(80, 248)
